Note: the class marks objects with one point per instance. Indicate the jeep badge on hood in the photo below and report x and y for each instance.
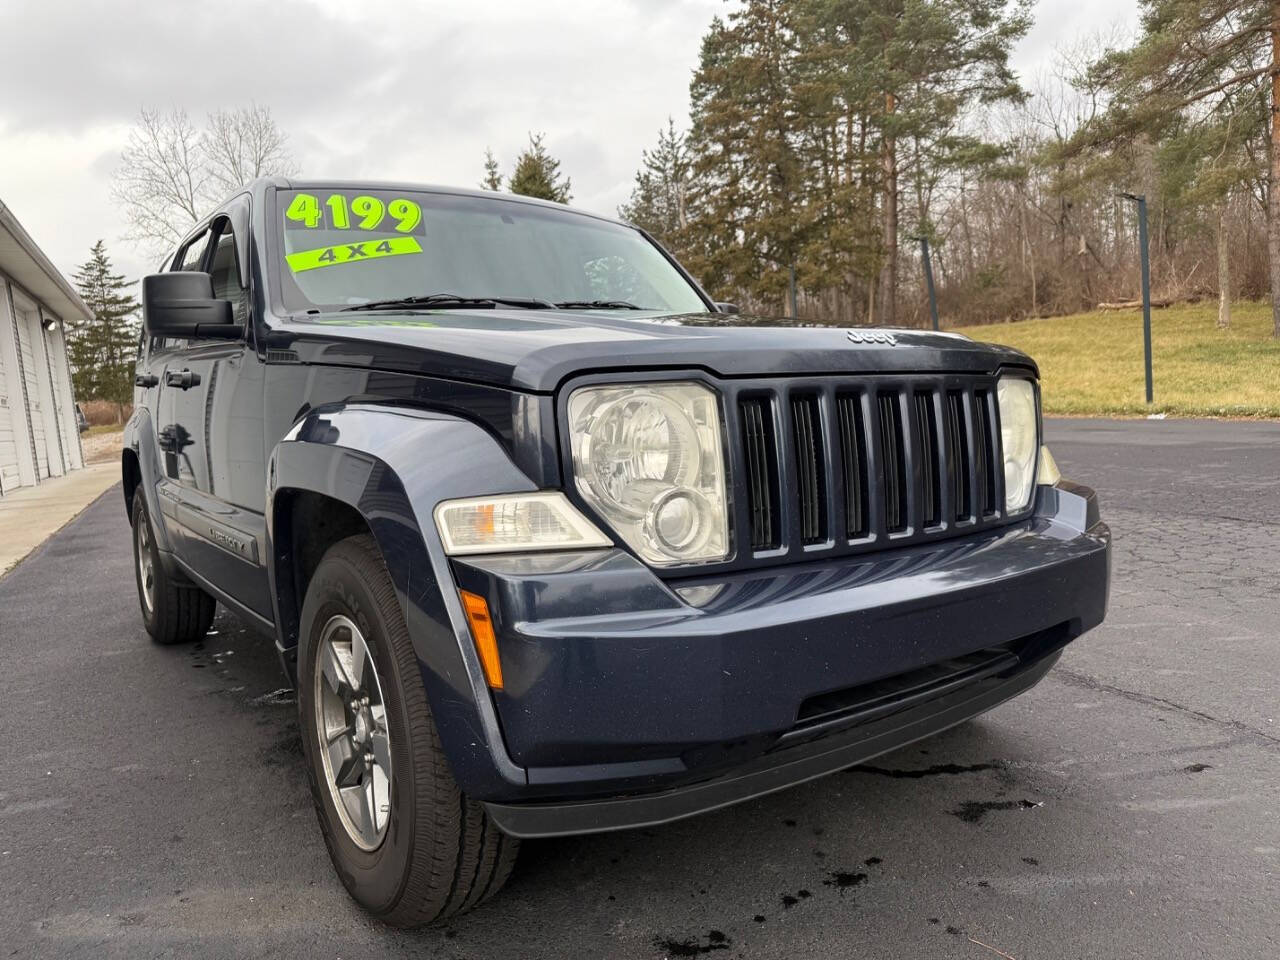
(873, 336)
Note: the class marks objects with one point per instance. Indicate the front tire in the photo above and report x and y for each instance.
(173, 611)
(407, 844)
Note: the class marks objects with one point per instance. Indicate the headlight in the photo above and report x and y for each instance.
(649, 459)
(1018, 439)
(516, 522)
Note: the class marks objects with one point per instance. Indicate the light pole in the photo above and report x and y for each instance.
(1141, 201)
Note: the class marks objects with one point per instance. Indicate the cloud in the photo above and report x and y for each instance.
(1060, 22)
(85, 62)
(384, 89)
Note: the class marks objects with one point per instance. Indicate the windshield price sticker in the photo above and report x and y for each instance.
(363, 212)
(351, 253)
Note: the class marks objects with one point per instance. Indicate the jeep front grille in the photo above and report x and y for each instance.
(828, 467)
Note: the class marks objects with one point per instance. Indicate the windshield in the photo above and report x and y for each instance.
(347, 246)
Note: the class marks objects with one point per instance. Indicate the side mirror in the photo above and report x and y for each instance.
(181, 304)
(727, 308)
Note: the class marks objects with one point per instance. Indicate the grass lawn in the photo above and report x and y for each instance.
(1091, 363)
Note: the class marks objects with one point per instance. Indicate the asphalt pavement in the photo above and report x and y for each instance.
(153, 801)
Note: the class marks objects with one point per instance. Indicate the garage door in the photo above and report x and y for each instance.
(63, 398)
(8, 447)
(49, 400)
(30, 372)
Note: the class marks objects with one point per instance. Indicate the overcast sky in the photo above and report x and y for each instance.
(374, 88)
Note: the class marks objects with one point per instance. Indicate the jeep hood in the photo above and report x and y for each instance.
(536, 350)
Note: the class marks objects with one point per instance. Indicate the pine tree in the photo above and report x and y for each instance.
(102, 349)
(492, 178)
(752, 213)
(1218, 66)
(839, 256)
(922, 63)
(537, 174)
(1201, 163)
(659, 201)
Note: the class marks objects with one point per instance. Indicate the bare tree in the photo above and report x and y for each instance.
(161, 180)
(244, 144)
(171, 172)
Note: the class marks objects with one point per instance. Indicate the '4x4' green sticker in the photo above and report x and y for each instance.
(351, 253)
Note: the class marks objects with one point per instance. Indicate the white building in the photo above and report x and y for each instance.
(39, 437)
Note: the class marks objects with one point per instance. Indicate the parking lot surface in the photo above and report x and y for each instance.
(153, 801)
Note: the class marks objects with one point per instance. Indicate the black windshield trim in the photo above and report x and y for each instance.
(599, 305)
(447, 301)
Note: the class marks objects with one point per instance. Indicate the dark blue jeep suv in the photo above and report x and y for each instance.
(551, 543)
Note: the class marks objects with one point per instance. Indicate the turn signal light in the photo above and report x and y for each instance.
(486, 641)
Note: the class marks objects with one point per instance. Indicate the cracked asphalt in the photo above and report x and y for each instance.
(153, 804)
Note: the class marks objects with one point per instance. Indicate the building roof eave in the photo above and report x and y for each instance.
(26, 264)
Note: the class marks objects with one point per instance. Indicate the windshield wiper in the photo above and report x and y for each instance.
(451, 301)
(597, 305)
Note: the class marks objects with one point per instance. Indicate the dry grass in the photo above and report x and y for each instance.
(100, 413)
(1091, 363)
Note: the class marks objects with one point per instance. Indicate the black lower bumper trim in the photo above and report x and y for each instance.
(772, 772)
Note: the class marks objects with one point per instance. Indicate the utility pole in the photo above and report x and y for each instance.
(1141, 201)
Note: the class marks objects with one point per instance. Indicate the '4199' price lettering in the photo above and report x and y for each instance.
(339, 212)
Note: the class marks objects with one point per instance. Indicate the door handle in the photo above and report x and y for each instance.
(184, 380)
(146, 380)
(174, 438)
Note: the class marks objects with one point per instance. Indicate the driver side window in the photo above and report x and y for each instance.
(189, 256)
(227, 281)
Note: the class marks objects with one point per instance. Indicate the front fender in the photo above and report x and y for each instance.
(140, 437)
(392, 466)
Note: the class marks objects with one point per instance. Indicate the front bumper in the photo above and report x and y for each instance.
(628, 702)
(773, 771)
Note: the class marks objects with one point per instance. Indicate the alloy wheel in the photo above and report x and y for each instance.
(351, 723)
(146, 565)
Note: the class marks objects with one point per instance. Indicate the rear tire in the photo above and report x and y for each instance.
(432, 852)
(173, 611)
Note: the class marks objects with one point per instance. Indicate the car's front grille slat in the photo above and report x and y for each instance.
(810, 468)
(840, 467)
(958, 458)
(757, 438)
(984, 441)
(893, 465)
(853, 450)
(930, 459)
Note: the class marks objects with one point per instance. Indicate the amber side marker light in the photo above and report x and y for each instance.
(477, 610)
